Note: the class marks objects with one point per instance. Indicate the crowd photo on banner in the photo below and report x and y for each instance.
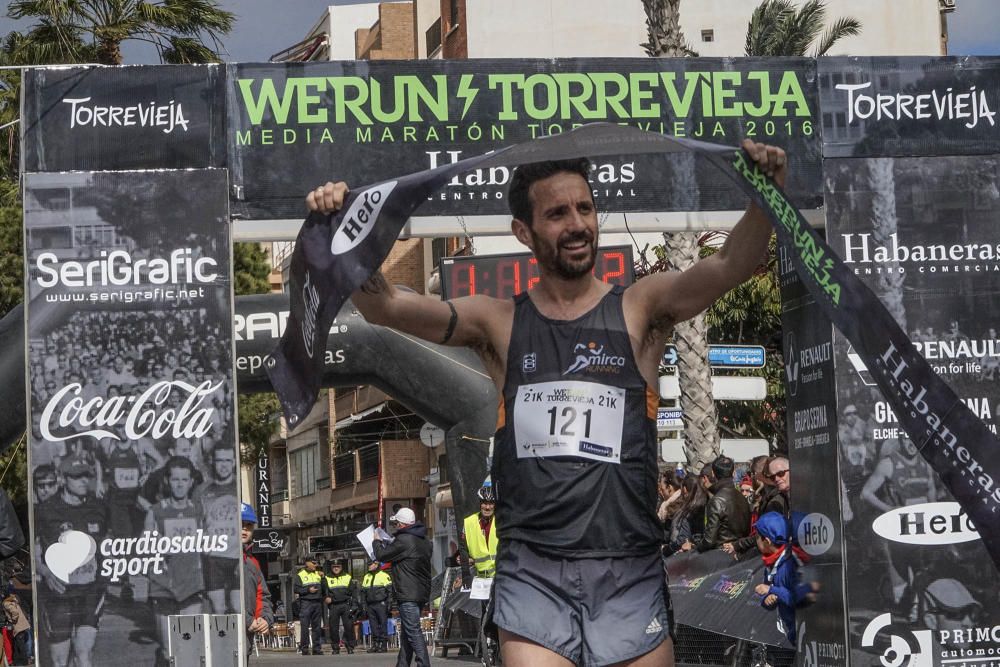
(134, 469)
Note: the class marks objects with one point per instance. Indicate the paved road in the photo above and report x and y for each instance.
(289, 658)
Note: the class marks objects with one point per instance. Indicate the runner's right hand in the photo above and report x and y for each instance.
(327, 198)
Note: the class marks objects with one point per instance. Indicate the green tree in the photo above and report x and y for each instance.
(93, 30)
(778, 28)
(680, 251)
(258, 413)
(11, 262)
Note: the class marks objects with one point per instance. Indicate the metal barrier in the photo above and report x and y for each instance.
(696, 647)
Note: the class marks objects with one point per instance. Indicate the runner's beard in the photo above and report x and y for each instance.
(555, 259)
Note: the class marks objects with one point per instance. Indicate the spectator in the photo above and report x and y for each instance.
(376, 588)
(775, 498)
(256, 597)
(410, 555)
(308, 585)
(781, 589)
(727, 517)
(669, 491)
(338, 594)
(18, 629)
(689, 522)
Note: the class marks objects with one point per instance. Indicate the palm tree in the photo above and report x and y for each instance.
(777, 28)
(681, 250)
(93, 30)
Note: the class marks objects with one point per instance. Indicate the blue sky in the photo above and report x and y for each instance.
(264, 27)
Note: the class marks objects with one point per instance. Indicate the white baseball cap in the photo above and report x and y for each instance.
(404, 515)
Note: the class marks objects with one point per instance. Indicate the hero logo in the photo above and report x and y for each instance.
(908, 648)
(360, 218)
(926, 523)
(815, 534)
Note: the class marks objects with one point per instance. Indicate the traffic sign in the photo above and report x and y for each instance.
(724, 356)
(669, 419)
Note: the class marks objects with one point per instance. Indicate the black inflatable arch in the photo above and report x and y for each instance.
(447, 386)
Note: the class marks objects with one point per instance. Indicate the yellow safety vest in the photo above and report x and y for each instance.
(482, 551)
(343, 581)
(310, 578)
(380, 578)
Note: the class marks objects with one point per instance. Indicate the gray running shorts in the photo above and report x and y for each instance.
(593, 611)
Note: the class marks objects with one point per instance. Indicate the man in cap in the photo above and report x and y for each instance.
(947, 605)
(70, 603)
(338, 593)
(410, 555)
(256, 598)
(309, 589)
(375, 590)
(478, 539)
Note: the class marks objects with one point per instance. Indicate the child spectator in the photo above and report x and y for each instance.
(782, 588)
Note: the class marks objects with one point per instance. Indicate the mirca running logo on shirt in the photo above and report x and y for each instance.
(590, 357)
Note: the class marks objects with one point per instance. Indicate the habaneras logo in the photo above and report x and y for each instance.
(142, 415)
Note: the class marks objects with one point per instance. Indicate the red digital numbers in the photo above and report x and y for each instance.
(503, 276)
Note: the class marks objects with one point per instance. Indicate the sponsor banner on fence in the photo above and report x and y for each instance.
(292, 127)
(898, 106)
(711, 592)
(107, 118)
(922, 235)
(132, 444)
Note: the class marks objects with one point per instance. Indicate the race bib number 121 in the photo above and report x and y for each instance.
(569, 418)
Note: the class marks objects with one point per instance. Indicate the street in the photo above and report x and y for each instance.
(288, 658)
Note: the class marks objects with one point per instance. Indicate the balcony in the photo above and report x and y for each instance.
(403, 463)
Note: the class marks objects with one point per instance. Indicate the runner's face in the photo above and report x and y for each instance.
(224, 465)
(180, 483)
(78, 485)
(46, 488)
(563, 230)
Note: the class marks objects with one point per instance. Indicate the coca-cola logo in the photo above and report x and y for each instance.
(147, 414)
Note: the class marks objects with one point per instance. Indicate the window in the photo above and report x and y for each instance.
(305, 470)
(433, 37)
(708, 35)
(452, 14)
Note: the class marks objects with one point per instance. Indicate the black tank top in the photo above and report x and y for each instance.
(574, 458)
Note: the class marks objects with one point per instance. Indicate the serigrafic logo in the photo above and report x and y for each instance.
(804, 365)
(817, 653)
(310, 301)
(590, 357)
(868, 257)
(906, 648)
(934, 106)
(816, 534)
(150, 413)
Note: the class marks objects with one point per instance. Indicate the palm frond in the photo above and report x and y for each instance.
(842, 27)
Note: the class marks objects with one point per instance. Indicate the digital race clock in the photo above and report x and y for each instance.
(503, 276)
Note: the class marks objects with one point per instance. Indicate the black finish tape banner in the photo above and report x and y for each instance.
(294, 126)
(335, 254)
(958, 445)
(132, 438)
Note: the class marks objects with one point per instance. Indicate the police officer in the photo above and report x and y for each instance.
(337, 592)
(309, 588)
(478, 543)
(375, 588)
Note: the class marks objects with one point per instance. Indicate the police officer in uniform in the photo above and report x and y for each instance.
(576, 363)
(309, 589)
(337, 593)
(375, 589)
(478, 540)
